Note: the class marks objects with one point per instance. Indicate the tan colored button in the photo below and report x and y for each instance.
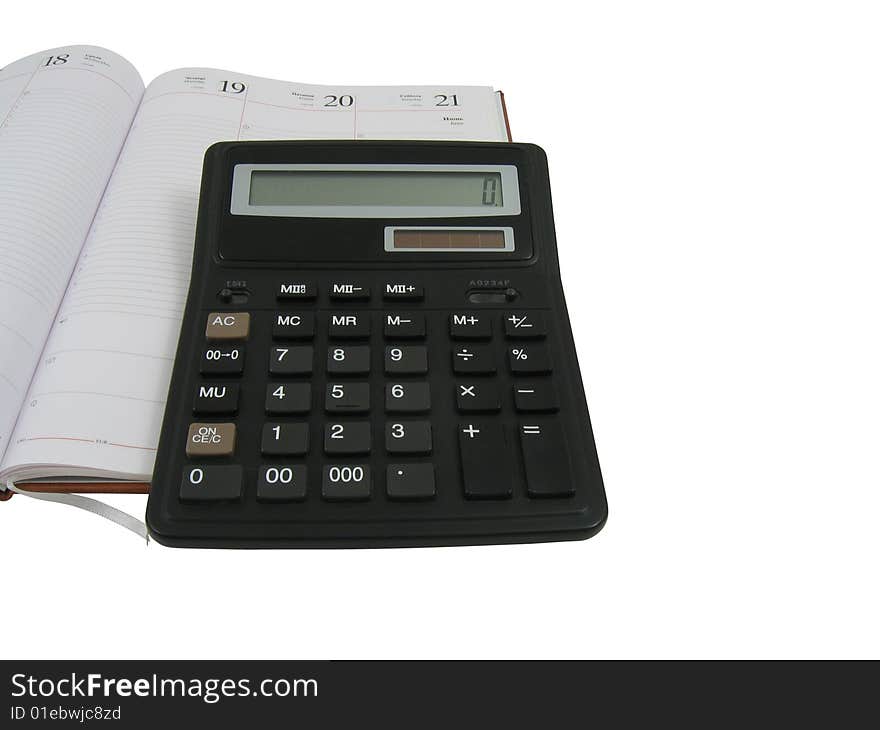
(228, 326)
(210, 439)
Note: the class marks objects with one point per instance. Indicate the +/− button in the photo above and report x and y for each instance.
(210, 439)
(228, 326)
(525, 325)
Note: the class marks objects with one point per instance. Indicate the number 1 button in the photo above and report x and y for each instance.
(285, 439)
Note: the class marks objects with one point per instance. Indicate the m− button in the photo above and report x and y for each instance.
(228, 326)
(210, 439)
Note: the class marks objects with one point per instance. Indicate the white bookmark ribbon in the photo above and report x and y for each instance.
(89, 505)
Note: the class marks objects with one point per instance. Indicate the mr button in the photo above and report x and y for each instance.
(228, 326)
(210, 439)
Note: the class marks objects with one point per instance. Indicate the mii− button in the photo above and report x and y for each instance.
(228, 326)
(210, 439)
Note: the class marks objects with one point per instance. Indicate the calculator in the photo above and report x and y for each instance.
(375, 352)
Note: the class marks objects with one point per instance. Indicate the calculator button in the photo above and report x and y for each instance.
(222, 360)
(403, 360)
(529, 359)
(349, 291)
(346, 360)
(403, 291)
(294, 360)
(347, 325)
(285, 439)
(210, 439)
(282, 483)
(535, 396)
(346, 482)
(287, 398)
(407, 397)
(216, 398)
(473, 359)
(469, 326)
(523, 325)
(347, 438)
(293, 326)
(347, 398)
(472, 397)
(546, 460)
(405, 325)
(228, 326)
(408, 437)
(211, 483)
(303, 290)
(410, 481)
(485, 460)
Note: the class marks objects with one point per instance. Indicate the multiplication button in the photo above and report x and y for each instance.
(477, 397)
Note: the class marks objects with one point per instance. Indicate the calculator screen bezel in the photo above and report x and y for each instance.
(309, 240)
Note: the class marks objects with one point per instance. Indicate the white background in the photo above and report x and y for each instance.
(716, 181)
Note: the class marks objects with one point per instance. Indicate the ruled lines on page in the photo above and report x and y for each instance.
(99, 393)
(64, 115)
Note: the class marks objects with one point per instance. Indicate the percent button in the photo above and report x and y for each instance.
(529, 359)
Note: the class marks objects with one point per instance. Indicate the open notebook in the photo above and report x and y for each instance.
(99, 182)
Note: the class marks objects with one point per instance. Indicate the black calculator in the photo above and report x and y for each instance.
(375, 352)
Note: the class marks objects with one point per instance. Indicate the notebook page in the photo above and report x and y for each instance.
(100, 393)
(64, 114)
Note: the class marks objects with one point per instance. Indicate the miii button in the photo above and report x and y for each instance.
(210, 439)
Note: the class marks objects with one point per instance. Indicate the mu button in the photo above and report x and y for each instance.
(228, 326)
(210, 439)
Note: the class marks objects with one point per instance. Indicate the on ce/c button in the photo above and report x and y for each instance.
(492, 296)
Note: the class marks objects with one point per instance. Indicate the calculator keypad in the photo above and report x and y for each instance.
(365, 383)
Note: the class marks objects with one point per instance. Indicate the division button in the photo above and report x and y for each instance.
(525, 325)
(405, 325)
(485, 460)
(282, 483)
(211, 483)
(408, 437)
(548, 473)
(288, 398)
(216, 398)
(529, 359)
(303, 290)
(406, 360)
(348, 360)
(210, 439)
(470, 326)
(410, 481)
(473, 359)
(228, 326)
(347, 438)
(403, 291)
(477, 397)
(407, 397)
(349, 325)
(291, 360)
(347, 398)
(343, 482)
(285, 439)
(222, 360)
(293, 326)
(349, 291)
(535, 395)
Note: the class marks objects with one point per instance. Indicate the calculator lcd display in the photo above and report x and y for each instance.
(399, 188)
